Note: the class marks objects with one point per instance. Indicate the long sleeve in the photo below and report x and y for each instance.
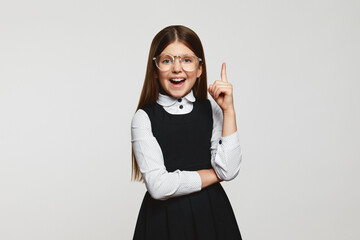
(160, 183)
(226, 153)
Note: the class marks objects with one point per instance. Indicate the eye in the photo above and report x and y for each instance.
(165, 59)
(188, 60)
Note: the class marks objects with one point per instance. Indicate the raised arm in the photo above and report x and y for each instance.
(225, 147)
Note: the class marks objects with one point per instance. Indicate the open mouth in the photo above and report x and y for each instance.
(177, 81)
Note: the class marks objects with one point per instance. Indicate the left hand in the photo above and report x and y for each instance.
(222, 92)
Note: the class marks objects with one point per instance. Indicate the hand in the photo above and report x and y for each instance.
(222, 92)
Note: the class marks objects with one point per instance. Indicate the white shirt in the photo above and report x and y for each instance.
(225, 151)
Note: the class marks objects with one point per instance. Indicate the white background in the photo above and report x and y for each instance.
(71, 73)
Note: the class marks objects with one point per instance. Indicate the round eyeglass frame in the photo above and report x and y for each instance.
(173, 61)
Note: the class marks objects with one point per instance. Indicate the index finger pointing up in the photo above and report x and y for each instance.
(223, 73)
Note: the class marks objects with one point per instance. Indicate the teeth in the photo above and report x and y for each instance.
(177, 79)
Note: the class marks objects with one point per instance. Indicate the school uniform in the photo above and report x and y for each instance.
(172, 139)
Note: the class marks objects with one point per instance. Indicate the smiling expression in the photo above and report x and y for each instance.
(176, 82)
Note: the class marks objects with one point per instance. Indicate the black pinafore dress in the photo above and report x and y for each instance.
(207, 214)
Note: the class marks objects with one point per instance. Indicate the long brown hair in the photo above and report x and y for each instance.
(151, 87)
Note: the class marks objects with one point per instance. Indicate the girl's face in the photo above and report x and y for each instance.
(176, 82)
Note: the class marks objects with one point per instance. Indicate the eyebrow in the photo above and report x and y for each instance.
(178, 55)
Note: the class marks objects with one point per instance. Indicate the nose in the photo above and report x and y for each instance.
(177, 65)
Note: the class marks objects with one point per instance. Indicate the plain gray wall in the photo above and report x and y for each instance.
(71, 73)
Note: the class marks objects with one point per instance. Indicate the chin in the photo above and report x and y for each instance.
(177, 94)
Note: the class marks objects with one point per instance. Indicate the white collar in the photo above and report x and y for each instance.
(166, 101)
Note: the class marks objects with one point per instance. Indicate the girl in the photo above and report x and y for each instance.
(183, 144)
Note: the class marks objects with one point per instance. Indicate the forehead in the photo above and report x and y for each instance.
(177, 48)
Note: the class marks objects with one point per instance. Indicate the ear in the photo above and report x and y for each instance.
(199, 71)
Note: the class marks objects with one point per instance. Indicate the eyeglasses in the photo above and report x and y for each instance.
(166, 61)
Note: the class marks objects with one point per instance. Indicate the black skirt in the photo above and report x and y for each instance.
(206, 214)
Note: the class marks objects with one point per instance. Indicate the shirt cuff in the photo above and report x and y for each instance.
(230, 142)
(190, 182)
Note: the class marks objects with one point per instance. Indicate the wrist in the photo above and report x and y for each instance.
(229, 112)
